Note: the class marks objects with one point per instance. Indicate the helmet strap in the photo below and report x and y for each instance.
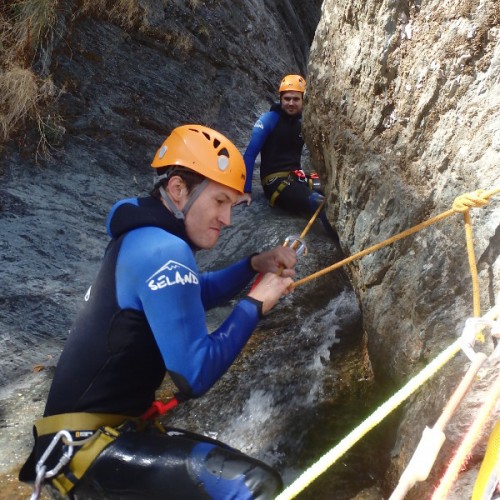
(181, 214)
(194, 195)
(178, 213)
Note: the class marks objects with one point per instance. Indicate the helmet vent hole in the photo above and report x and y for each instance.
(216, 143)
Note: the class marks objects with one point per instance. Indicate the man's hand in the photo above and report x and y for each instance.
(244, 198)
(280, 260)
(270, 289)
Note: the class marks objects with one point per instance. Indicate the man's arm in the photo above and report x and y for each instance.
(157, 274)
(261, 130)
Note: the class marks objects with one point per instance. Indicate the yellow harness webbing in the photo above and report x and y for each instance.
(285, 176)
(77, 422)
(83, 458)
(105, 433)
(274, 175)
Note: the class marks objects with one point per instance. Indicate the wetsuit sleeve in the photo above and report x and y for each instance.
(156, 273)
(218, 287)
(261, 130)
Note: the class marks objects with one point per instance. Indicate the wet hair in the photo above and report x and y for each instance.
(190, 178)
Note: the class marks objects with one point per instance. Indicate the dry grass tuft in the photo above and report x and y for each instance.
(18, 98)
(24, 24)
(33, 20)
(125, 13)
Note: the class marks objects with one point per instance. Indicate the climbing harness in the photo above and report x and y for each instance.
(99, 430)
(41, 469)
(433, 438)
(287, 177)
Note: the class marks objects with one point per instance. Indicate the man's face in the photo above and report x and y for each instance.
(291, 102)
(210, 212)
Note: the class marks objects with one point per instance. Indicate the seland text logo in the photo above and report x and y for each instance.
(172, 273)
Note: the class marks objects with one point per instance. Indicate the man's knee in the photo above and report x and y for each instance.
(241, 476)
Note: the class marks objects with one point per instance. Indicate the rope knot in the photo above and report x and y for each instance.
(476, 199)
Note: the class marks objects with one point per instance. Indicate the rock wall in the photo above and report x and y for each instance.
(125, 79)
(402, 116)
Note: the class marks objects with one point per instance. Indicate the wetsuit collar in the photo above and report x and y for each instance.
(148, 211)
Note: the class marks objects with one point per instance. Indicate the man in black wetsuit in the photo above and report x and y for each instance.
(277, 136)
(143, 317)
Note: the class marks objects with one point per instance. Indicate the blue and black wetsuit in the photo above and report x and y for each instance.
(277, 137)
(143, 316)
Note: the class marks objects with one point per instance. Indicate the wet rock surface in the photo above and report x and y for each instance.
(402, 116)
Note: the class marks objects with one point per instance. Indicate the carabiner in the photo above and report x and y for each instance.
(64, 460)
(296, 243)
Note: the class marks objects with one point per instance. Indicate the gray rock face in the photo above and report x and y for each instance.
(124, 85)
(402, 116)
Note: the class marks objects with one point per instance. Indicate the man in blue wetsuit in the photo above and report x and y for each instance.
(277, 137)
(143, 317)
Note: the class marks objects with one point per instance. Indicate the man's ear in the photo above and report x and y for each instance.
(176, 188)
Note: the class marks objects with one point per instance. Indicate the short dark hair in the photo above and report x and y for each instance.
(190, 178)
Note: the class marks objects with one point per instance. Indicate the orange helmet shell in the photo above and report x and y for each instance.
(205, 151)
(293, 82)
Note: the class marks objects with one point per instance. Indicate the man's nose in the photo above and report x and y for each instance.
(225, 216)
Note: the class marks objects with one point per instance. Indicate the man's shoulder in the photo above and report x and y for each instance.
(267, 120)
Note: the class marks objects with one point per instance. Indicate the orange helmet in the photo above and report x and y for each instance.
(293, 82)
(205, 151)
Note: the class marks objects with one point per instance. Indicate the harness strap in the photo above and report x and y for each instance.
(77, 422)
(275, 175)
(83, 458)
(282, 185)
(312, 180)
(101, 424)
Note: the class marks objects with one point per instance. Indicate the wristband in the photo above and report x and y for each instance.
(258, 303)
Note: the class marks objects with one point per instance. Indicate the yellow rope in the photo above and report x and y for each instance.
(490, 465)
(462, 204)
(472, 436)
(313, 218)
(465, 447)
(376, 417)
